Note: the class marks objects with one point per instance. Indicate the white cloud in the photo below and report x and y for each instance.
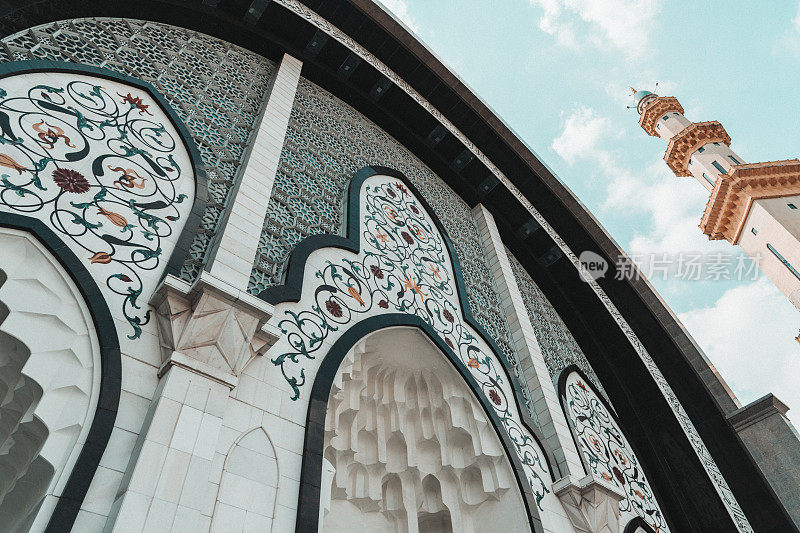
(731, 333)
(796, 19)
(399, 8)
(622, 24)
(669, 208)
(675, 206)
(582, 137)
(789, 38)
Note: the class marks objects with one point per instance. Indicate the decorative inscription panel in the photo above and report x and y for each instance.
(403, 267)
(101, 164)
(607, 452)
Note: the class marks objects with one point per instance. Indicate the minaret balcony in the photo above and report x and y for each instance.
(655, 109)
(683, 145)
(734, 193)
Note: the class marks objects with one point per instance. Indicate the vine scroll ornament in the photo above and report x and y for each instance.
(403, 266)
(607, 453)
(102, 165)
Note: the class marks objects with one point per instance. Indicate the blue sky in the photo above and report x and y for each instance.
(557, 72)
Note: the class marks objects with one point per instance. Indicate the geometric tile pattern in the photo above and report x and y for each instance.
(556, 342)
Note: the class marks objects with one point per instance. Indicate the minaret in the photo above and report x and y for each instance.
(753, 205)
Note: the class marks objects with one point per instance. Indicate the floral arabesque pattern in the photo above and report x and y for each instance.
(216, 89)
(403, 267)
(608, 453)
(326, 142)
(102, 166)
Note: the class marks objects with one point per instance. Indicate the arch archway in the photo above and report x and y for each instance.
(59, 84)
(606, 452)
(395, 267)
(410, 445)
(109, 167)
(275, 30)
(311, 478)
(249, 481)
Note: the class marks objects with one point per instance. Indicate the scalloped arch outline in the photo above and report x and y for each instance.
(291, 291)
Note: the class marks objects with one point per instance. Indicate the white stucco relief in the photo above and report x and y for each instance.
(409, 445)
(49, 379)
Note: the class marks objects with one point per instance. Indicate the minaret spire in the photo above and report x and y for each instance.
(754, 206)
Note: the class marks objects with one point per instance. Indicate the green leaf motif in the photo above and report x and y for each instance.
(47, 88)
(79, 220)
(81, 122)
(147, 254)
(20, 191)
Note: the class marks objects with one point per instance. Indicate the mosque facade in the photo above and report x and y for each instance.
(268, 265)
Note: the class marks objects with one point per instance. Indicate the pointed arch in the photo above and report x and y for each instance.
(430, 452)
(249, 482)
(374, 194)
(605, 450)
(103, 159)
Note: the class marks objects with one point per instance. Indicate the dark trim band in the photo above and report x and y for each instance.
(291, 290)
(636, 524)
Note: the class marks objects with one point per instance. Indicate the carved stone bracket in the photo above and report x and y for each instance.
(210, 328)
(684, 144)
(592, 506)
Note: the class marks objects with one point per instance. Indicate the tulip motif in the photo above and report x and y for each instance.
(100, 257)
(115, 218)
(356, 295)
